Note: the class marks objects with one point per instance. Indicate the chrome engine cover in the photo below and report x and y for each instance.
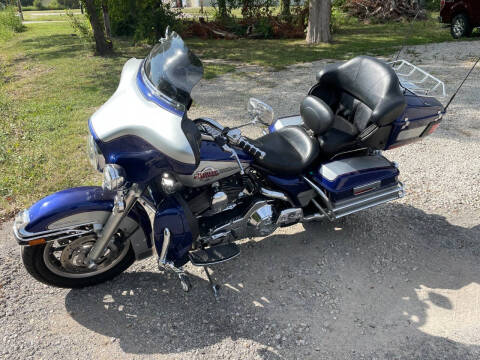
(263, 220)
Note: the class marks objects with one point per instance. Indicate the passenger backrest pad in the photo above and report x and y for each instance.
(369, 81)
(353, 110)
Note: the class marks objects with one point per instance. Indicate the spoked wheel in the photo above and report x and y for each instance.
(461, 26)
(62, 264)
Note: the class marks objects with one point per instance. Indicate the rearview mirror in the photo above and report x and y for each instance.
(260, 112)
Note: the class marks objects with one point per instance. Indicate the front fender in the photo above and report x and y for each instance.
(81, 205)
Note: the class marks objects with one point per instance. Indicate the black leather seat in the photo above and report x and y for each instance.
(289, 150)
(361, 92)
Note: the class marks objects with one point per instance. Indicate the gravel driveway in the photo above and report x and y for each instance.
(396, 282)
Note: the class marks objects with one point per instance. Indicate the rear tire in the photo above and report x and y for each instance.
(460, 26)
(33, 259)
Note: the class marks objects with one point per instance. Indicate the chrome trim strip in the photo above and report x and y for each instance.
(165, 246)
(319, 191)
(23, 237)
(275, 195)
(368, 197)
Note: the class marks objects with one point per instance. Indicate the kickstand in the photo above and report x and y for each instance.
(215, 287)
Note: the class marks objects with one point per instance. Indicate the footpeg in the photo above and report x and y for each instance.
(214, 255)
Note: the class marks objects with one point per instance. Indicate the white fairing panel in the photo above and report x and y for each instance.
(128, 112)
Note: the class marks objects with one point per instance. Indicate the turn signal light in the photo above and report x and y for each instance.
(36, 242)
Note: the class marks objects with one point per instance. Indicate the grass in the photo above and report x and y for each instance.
(350, 40)
(50, 84)
(33, 16)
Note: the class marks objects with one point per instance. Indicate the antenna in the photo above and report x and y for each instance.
(408, 34)
(463, 82)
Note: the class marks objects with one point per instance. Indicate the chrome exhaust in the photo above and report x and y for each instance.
(350, 206)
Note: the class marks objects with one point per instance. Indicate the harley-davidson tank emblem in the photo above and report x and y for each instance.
(206, 173)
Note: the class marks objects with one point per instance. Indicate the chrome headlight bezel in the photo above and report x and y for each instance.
(21, 221)
(113, 177)
(94, 153)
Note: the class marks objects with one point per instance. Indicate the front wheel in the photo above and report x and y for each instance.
(461, 26)
(62, 265)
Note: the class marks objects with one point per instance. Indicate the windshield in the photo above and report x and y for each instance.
(173, 70)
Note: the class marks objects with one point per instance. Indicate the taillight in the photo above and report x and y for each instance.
(442, 4)
(433, 128)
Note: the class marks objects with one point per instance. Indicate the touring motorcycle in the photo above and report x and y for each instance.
(190, 188)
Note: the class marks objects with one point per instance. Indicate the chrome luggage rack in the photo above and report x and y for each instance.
(417, 80)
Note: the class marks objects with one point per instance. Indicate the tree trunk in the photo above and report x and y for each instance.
(222, 8)
(20, 12)
(201, 6)
(106, 20)
(102, 46)
(285, 7)
(318, 31)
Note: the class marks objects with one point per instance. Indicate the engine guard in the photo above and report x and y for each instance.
(62, 211)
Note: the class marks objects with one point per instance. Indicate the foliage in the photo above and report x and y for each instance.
(9, 22)
(81, 26)
(340, 20)
(38, 4)
(27, 2)
(432, 5)
(144, 19)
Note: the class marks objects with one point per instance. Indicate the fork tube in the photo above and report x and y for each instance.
(112, 224)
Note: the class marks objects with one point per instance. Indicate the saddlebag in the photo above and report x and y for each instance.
(354, 177)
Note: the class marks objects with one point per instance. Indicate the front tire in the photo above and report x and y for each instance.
(461, 26)
(34, 260)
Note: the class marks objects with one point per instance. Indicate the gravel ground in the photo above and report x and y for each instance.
(396, 282)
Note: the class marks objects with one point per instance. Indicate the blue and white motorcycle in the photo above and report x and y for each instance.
(190, 188)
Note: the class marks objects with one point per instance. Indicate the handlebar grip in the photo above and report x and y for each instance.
(250, 148)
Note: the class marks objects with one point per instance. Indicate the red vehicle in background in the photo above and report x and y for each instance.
(463, 15)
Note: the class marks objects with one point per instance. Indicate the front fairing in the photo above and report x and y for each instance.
(140, 132)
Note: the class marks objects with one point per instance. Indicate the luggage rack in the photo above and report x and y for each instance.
(417, 80)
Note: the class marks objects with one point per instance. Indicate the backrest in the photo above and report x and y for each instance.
(369, 81)
(316, 115)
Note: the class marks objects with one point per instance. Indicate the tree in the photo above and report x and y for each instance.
(102, 46)
(320, 12)
(20, 12)
(106, 20)
(222, 8)
(285, 7)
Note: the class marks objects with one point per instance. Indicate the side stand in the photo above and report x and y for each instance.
(215, 287)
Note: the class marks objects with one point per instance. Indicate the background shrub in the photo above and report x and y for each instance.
(9, 22)
(144, 19)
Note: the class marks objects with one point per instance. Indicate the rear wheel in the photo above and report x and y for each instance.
(62, 264)
(461, 26)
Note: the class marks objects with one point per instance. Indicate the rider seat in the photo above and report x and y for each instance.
(289, 150)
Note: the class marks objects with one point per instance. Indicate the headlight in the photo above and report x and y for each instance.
(113, 177)
(22, 219)
(94, 154)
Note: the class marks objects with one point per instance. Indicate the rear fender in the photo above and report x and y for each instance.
(84, 205)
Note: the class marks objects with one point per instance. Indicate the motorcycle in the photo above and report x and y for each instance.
(190, 188)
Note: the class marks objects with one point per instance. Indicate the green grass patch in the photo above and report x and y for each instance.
(354, 38)
(34, 16)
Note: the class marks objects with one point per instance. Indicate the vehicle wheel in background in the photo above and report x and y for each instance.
(461, 26)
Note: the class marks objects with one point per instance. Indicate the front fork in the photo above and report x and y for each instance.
(123, 203)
